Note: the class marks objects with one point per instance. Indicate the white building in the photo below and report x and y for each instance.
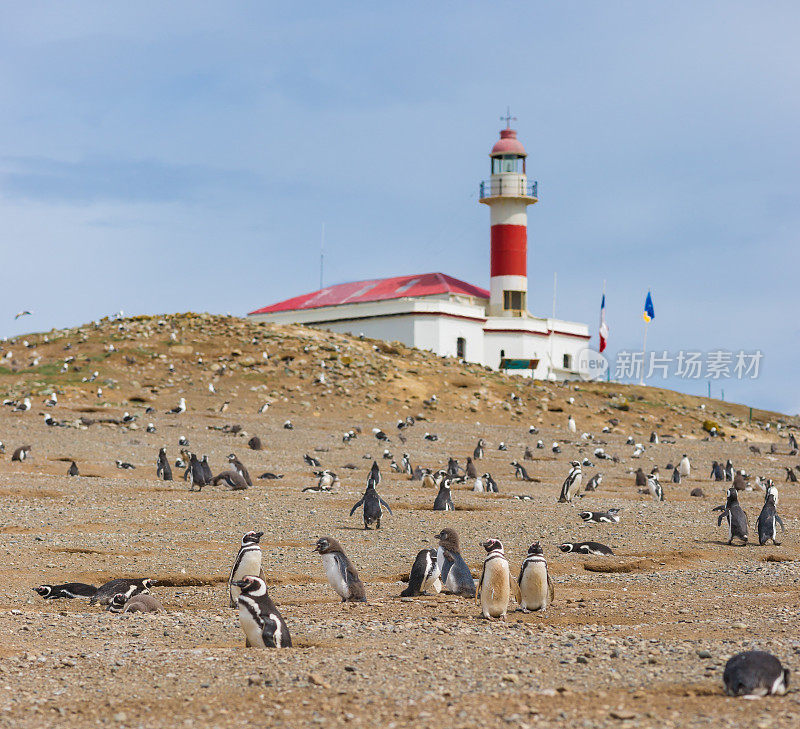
(450, 317)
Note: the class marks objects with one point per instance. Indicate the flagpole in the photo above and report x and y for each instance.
(644, 353)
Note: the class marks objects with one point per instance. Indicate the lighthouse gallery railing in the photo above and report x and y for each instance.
(512, 188)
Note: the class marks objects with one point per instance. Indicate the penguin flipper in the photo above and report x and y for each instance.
(521, 572)
(515, 591)
(719, 508)
(551, 589)
(449, 561)
(386, 505)
(721, 517)
(352, 511)
(780, 521)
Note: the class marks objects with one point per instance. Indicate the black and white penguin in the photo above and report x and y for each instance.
(572, 484)
(67, 590)
(444, 499)
(21, 453)
(342, 575)
(536, 587)
(247, 563)
(594, 482)
(717, 471)
(654, 437)
(424, 575)
(288, 425)
(270, 476)
(768, 517)
(676, 475)
(502, 446)
(455, 574)
(453, 469)
(520, 472)
(237, 466)
(594, 548)
(495, 586)
(654, 487)
(127, 587)
(737, 520)
(730, 471)
(477, 454)
(489, 484)
(326, 481)
(195, 474)
(183, 441)
(163, 469)
(73, 470)
(754, 674)
(124, 465)
(372, 504)
(232, 478)
(261, 621)
(311, 461)
(431, 436)
(611, 516)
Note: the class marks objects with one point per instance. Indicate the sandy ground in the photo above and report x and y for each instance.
(638, 639)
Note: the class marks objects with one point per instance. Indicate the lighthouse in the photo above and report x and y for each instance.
(454, 318)
(508, 193)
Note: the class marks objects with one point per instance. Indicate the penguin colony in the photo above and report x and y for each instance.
(434, 571)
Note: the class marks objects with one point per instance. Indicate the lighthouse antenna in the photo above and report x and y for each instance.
(508, 118)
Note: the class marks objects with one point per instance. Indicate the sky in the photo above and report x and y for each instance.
(160, 157)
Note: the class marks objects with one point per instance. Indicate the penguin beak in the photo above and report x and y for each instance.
(258, 535)
(240, 583)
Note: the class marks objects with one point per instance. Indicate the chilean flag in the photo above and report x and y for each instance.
(603, 331)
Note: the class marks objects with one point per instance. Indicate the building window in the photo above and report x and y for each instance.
(567, 362)
(514, 300)
(461, 348)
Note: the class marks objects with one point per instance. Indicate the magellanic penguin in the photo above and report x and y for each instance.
(140, 603)
(477, 454)
(341, 574)
(128, 587)
(68, 590)
(247, 563)
(239, 467)
(654, 487)
(593, 548)
(768, 517)
(611, 516)
(536, 588)
(737, 520)
(495, 586)
(754, 674)
(594, 482)
(163, 469)
(424, 575)
(444, 499)
(261, 621)
(455, 574)
(572, 484)
(372, 506)
(73, 470)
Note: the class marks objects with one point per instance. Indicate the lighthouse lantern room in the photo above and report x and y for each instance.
(451, 317)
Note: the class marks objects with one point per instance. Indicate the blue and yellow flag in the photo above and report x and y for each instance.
(649, 311)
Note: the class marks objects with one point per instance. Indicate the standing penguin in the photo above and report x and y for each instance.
(754, 674)
(768, 517)
(261, 621)
(536, 588)
(163, 469)
(572, 484)
(737, 520)
(654, 487)
(571, 425)
(455, 574)
(372, 506)
(641, 478)
(73, 470)
(495, 585)
(470, 469)
(424, 575)
(444, 499)
(684, 467)
(676, 475)
(341, 574)
(247, 563)
(730, 471)
(374, 475)
(594, 482)
(477, 454)
(717, 471)
(490, 484)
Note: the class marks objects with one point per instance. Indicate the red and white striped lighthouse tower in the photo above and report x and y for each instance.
(508, 194)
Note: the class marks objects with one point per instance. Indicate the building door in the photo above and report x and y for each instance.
(461, 348)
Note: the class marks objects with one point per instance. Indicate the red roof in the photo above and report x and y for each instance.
(508, 144)
(379, 289)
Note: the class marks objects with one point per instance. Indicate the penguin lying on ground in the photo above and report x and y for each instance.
(128, 587)
(68, 590)
(595, 548)
(598, 517)
(754, 674)
(141, 603)
(424, 575)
